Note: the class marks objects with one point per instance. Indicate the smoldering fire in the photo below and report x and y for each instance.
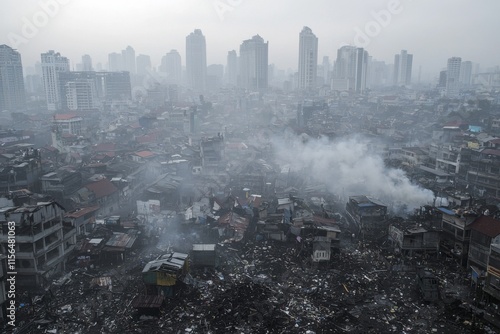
(350, 166)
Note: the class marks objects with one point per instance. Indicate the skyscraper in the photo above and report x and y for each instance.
(254, 64)
(308, 59)
(52, 64)
(128, 58)
(350, 70)
(196, 60)
(115, 62)
(453, 77)
(12, 94)
(403, 63)
(143, 64)
(466, 73)
(87, 63)
(232, 68)
(172, 66)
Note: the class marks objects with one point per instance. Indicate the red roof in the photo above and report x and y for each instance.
(65, 117)
(486, 225)
(104, 147)
(102, 188)
(144, 154)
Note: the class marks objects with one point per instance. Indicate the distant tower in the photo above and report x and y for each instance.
(87, 63)
(453, 77)
(466, 73)
(403, 64)
(115, 62)
(254, 64)
(172, 66)
(128, 59)
(52, 64)
(308, 59)
(143, 64)
(196, 60)
(350, 70)
(232, 68)
(12, 94)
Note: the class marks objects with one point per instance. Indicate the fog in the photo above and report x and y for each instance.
(350, 166)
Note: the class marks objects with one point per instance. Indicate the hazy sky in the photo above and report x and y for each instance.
(431, 30)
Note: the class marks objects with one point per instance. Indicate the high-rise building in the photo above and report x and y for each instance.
(466, 73)
(53, 64)
(87, 63)
(143, 63)
(442, 79)
(350, 70)
(254, 64)
(81, 95)
(128, 58)
(78, 90)
(326, 70)
(12, 94)
(232, 68)
(114, 85)
(308, 59)
(172, 66)
(115, 62)
(196, 60)
(378, 74)
(453, 77)
(403, 63)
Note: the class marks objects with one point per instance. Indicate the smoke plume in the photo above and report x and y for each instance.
(349, 167)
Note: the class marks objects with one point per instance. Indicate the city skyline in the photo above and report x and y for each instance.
(382, 28)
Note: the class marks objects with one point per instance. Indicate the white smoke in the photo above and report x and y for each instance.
(350, 167)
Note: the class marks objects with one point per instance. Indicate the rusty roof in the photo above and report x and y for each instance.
(120, 241)
(486, 225)
(102, 188)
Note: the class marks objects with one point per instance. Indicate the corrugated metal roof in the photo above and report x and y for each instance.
(121, 240)
(171, 262)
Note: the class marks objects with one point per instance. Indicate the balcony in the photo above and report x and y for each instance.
(36, 237)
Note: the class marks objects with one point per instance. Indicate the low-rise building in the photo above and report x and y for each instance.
(485, 232)
(408, 237)
(492, 281)
(43, 241)
(455, 232)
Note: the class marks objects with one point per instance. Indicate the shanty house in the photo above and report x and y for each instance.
(162, 275)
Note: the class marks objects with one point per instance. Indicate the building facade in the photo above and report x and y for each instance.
(350, 71)
(308, 59)
(403, 63)
(12, 94)
(171, 65)
(43, 242)
(453, 77)
(254, 64)
(196, 60)
(53, 64)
